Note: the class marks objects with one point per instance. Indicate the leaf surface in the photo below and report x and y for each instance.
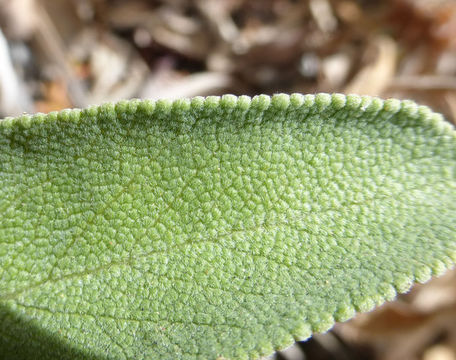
(218, 227)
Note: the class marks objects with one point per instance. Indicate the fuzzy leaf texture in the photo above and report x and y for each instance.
(215, 227)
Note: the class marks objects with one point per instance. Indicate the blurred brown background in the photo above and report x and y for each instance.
(56, 54)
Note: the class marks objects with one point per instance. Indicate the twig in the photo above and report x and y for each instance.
(424, 82)
(13, 99)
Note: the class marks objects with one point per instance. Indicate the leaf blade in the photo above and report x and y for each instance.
(199, 225)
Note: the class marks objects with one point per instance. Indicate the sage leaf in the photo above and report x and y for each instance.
(215, 227)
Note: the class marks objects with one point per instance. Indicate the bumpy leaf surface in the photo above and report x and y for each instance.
(218, 227)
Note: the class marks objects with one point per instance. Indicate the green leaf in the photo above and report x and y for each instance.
(219, 227)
